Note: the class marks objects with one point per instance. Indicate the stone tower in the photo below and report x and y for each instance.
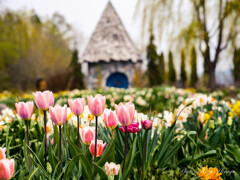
(110, 56)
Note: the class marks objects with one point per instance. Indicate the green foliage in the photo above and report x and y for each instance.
(236, 63)
(183, 74)
(161, 68)
(152, 57)
(31, 49)
(171, 69)
(193, 63)
(76, 73)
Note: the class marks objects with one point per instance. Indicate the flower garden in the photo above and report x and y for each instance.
(154, 133)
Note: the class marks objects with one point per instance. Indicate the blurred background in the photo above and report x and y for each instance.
(65, 45)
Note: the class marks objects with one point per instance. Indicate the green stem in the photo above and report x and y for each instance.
(30, 164)
(60, 149)
(126, 146)
(45, 128)
(144, 154)
(78, 132)
(95, 149)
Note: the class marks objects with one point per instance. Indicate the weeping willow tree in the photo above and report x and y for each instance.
(212, 26)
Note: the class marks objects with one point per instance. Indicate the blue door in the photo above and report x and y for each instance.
(117, 80)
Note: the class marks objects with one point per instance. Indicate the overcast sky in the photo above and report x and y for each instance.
(81, 14)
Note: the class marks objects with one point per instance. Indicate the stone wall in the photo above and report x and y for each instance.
(106, 69)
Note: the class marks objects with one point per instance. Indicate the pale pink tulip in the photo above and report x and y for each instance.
(87, 134)
(125, 113)
(77, 105)
(100, 147)
(6, 169)
(25, 110)
(2, 153)
(96, 105)
(146, 124)
(58, 114)
(112, 167)
(110, 119)
(44, 99)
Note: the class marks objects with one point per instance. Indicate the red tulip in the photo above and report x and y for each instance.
(146, 124)
(58, 114)
(25, 110)
(44, 99)
(110, 119)
(125, 113)
(6, 169)
(77, 105)
(2, 153)
(96, 105)
(100, 147)
(112, 167)
(132, 128)
(87, 134)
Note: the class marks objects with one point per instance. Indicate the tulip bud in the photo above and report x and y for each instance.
(25, 110)
(110, 119)
(87, 134)
(229, 121)
(212, 124)
(219, 121)
(100, 147)
(44, 99)
(112, 167)
(146, 124)
(58, 114)
(77, 105)
(125, 113)
(96, 105)
(49, 168)
(6, 168)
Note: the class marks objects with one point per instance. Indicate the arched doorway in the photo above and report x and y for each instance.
(118, 80)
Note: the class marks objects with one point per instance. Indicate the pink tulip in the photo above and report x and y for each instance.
(132, 128)
(6, 169)
(2, 153)
(96, 105)
(25, 110)
(58, 114)
(112, 167)
(110, 119)
(146, 124)
(87, 134)
(52, 141)
(44, 99)
(100, 147)
(77, 105)
(125, 113)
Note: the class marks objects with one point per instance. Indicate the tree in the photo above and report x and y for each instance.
(152, 57)
(77, 77)
(193, 63)
(183, 74)
(236, 63)
(213, 26)
(171, 69)
(161, 69)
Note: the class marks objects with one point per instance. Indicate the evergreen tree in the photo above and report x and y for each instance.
(152, 57)
(77, 76)
(161, 69)
(193, 62)
(183, 74)
(171, 69)
(236, 63)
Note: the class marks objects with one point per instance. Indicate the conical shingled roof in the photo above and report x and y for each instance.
(110, 41)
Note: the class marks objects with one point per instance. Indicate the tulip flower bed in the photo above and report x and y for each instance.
(75, 135)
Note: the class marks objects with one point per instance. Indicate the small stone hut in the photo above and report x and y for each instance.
(110, 58)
